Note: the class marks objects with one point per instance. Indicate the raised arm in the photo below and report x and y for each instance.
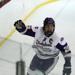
(23, 29)
(64, 48)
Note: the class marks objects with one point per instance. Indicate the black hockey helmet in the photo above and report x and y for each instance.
(49, 21)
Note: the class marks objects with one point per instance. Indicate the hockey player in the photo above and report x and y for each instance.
(47, 46)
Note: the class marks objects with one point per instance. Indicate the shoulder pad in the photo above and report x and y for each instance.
(62, 39)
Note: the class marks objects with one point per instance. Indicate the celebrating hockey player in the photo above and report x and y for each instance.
(47, 46)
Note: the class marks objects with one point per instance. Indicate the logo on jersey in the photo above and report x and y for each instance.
(44, 43)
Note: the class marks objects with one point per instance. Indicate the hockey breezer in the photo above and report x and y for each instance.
(47, 46)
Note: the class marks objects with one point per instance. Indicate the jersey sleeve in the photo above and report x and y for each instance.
(63, 47)
(29, 30)
(65, 50)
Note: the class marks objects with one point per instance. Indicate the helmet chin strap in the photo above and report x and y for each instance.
(48, 34)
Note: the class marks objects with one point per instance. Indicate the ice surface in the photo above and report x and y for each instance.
(10, 54)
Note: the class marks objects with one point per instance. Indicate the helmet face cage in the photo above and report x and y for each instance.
(49, 21)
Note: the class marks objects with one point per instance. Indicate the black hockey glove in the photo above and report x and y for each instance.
(19, 25)
(67, 68)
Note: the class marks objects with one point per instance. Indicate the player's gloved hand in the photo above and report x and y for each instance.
(67, 69)
(19, 25)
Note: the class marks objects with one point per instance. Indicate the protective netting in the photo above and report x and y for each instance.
(13, 51)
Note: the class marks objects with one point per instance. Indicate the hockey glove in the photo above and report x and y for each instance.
(67, 68)
(19, 25)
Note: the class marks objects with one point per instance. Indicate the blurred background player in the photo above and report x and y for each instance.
(47, 46)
